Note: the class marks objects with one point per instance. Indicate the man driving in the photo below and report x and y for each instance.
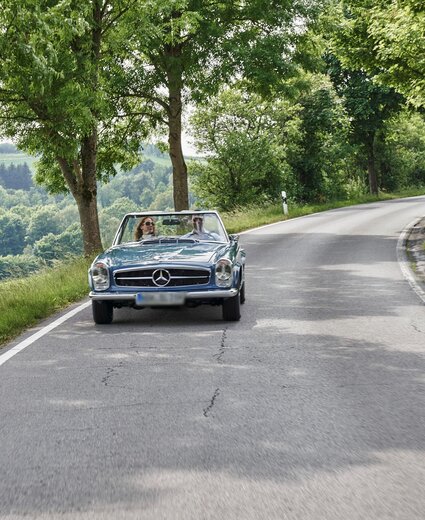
(198, 232)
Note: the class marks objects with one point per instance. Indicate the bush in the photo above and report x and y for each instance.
(243, 172)
(355, 188)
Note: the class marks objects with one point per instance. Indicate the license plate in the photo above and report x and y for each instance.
(160, 298)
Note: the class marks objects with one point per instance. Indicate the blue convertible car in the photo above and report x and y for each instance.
(169, 258)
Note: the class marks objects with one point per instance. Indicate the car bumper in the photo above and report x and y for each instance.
(190, 295)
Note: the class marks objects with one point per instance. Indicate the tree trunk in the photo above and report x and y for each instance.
(89, 221)
(175, 84)
(371, 166)
(80, 177)
(180, 188)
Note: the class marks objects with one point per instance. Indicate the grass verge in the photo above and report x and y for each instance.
(24, 302)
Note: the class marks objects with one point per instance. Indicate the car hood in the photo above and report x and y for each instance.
(130, 254)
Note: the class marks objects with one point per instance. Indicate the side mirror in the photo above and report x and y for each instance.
(235, 238)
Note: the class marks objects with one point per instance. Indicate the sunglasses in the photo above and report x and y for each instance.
(148, 223)
(197, 219)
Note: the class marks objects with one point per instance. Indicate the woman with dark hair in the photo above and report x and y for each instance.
(145, 228)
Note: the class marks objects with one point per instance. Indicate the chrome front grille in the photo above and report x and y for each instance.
(179, 277)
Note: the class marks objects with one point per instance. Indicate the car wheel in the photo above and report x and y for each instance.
(242, 293)
(232, 308)
(103, 312)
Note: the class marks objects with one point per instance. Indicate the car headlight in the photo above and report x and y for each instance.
(100, 276)
(223, 272)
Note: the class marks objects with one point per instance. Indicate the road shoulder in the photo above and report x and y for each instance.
(415, 250)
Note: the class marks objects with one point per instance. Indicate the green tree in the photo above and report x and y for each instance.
(67, 214)
(12, 233)
(254, 148)
(322, 156)
(111, 217)
(183, 50)
(146, 198)
(402, 151)
(163, 201)
(385, 38)
(54, 247)
(10, 199)
(120, 207)
(368, 106)
(244, 155)
(43, 220)
(16, 177)
(55, 98)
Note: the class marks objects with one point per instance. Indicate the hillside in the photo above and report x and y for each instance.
(17, 158)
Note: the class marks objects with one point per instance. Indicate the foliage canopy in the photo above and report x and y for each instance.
(385, 38)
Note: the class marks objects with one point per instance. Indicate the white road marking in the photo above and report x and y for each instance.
(42, 332)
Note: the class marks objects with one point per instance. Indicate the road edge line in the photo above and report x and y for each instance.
(404, 261)
(42, 332)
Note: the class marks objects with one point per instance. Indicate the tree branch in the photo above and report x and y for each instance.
(117, 16)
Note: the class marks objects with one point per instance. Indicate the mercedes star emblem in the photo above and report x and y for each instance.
(161, 277)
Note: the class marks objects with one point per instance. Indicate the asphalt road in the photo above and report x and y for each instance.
(311, 407)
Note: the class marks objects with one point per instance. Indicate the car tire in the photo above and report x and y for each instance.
(232, 308)
(242, 293)
(103, 312)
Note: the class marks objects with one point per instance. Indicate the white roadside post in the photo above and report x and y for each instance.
(284, 203)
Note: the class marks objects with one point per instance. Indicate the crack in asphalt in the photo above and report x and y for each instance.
(415, 327)
(219, 356)
(210, 406)
(110, 372)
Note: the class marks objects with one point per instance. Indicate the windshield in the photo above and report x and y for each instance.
(157, 227)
